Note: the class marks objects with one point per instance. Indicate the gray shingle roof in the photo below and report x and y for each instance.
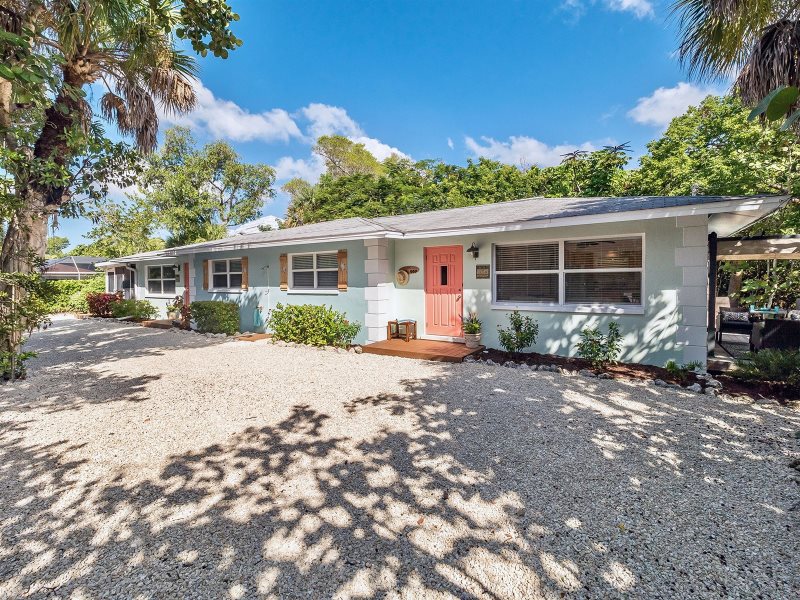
(515, 212)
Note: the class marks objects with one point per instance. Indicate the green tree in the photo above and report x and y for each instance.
(56, 244)
(52, 51)
(121, 229)
(713, 149)
(196, 193)
(344, 157)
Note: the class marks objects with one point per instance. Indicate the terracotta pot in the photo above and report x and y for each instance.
(472, 340)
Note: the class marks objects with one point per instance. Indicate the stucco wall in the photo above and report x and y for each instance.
(651, 337)
(159, 301)
(264, 283)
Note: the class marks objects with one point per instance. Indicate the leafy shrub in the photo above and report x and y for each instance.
(20, 371)
(520, 335)
(215, 316)
(599, 348)
(311, 324)
(138, 309)
(471, 324)
(779, 366)
(682, 371)
(100, 303)
(69, 295)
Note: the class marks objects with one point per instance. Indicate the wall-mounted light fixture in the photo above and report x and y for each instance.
(474, 250)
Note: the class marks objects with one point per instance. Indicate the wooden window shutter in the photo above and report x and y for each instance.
(342, 260)
(245, 277)
(284, 268)
(205, 274)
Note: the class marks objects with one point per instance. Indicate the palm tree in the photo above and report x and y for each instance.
(57, 50)
(117, 44)
(756, 41)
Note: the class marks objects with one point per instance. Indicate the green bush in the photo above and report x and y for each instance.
(215, 316)
(20, 371)
(778, 366)
(520, 335)
(69, 295)
(600, 348)
(140, 310)
(311, 324)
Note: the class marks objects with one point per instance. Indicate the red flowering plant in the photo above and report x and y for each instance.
(100, 303)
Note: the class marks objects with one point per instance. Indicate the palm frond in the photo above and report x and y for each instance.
(773, 62)
(717, 36)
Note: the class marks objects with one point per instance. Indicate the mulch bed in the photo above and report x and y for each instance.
(731, 385)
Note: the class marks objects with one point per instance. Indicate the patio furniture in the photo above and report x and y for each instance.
(403, 329)
(733, 321)
(778, 334)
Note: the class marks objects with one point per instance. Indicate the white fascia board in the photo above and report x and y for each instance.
(758, 205)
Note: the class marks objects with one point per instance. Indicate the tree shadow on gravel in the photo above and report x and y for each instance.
(479, 483)
(65, 374)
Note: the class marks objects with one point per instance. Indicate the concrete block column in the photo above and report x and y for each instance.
(380, 289)
(692, 257)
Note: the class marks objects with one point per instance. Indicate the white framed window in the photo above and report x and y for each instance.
(161, 280)
(314, 271)
(226, 274)
(592, 273)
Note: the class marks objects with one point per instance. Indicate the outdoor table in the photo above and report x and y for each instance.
(405, 329)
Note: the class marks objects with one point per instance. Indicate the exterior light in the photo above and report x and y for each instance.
(474, 250)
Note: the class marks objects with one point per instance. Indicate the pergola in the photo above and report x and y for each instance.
(770, 248)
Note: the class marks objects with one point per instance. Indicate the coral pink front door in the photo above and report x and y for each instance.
(444, 287)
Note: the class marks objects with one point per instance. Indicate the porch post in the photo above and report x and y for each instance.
(712, 292)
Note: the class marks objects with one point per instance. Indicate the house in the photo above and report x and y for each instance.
(71, 267)
(569, 262)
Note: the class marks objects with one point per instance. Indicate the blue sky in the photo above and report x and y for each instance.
(517, 81)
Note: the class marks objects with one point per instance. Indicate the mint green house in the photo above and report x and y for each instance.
(571, 263)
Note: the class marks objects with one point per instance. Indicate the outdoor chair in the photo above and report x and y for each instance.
(777, 334)
(733, 321)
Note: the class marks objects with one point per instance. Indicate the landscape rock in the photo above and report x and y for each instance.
(695, 387)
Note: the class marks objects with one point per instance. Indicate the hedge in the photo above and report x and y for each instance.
(311, 324)
(215, 316)
(69, 295)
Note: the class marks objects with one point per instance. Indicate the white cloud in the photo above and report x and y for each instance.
(329, 120)
(309, 169)
(226, 119)
(660, 107)
(450, 143)
(377, 148)
(523, 150)
(639, 8)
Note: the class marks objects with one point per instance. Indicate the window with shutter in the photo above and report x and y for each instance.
(526, 273)
(227, 274)
(314, 270)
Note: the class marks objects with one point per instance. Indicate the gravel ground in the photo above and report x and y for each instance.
(139, 463)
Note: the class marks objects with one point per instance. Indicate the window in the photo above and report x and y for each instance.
(161, 280)
(570, 272)
(226, 274)
(526, 273)
(314, 270)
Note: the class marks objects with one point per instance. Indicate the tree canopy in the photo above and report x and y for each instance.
(197, 193)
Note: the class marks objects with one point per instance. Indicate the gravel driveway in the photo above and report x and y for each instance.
(140, 463)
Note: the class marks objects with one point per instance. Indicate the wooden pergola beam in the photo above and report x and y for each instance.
(761, 248)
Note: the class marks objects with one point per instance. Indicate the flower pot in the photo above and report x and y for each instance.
(472, 340)
(172, 315)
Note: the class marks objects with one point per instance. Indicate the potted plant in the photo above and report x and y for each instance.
(174, 308)
(472, 331)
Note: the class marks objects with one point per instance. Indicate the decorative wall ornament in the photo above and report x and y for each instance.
(404, 274)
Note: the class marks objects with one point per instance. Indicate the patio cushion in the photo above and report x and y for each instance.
(735, 316)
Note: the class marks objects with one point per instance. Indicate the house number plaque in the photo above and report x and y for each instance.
(481, 271)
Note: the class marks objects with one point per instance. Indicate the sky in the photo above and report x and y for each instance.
(519, 81)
